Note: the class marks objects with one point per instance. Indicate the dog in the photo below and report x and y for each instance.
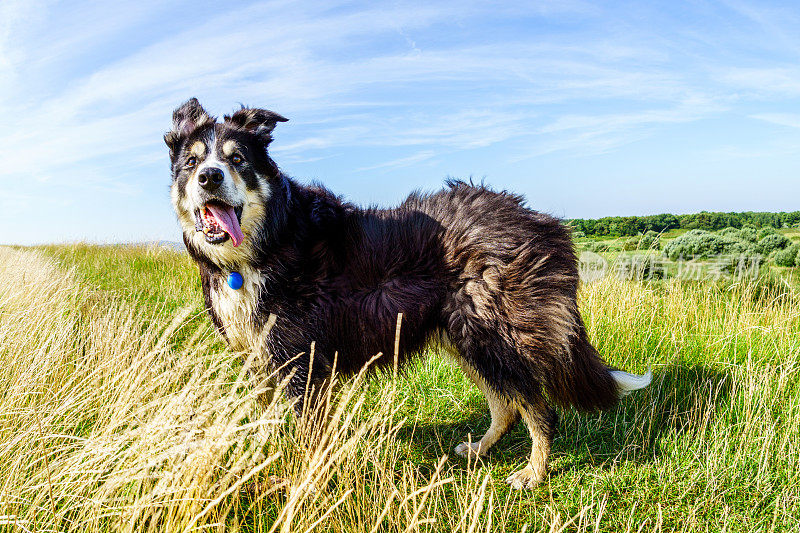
(467, 267)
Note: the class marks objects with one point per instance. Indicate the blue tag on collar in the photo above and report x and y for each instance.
(235, 281)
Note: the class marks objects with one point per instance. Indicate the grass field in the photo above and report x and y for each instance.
(120, 410)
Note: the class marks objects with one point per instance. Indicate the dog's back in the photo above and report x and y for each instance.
(511, 307)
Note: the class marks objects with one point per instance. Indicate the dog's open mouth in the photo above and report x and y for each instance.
(218, 222)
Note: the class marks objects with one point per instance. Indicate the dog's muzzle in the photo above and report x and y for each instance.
(219, 221)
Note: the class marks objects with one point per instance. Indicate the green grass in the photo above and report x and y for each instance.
(149, 276)
(712, 445)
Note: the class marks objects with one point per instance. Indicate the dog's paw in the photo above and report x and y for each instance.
(469, 450)
(527, 478)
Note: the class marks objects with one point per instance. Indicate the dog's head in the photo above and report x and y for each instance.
(222, 177)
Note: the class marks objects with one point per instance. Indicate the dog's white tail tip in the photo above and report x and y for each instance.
(627, 383)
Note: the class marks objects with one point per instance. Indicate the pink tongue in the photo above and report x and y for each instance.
(226, 218)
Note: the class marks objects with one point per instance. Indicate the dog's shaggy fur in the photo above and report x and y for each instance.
(468, 267)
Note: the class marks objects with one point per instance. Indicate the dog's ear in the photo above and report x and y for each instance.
(185, 119)
(259, 121)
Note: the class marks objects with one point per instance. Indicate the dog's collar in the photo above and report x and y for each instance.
(235, 281)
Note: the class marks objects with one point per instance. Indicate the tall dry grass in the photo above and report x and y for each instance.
(120, 417)
(106, 425)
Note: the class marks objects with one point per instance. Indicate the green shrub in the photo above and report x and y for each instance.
(650, 240)
(772, 242)
(787, 257)
(630, 244)
(739, 264)
(704, 244)
(766, 230)
(748, 233)
(742, 248)
(578, 234)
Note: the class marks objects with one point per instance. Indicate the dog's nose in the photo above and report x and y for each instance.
(210, 178)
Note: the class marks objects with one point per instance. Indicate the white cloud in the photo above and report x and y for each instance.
(766, 81)
(600, 133)
(791, 120)
(418, 157)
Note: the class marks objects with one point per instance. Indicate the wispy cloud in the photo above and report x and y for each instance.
(600, 133)
(791, 120)
(402, 162)
(781, 80)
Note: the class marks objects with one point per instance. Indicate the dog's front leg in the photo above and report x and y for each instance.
(307, 380)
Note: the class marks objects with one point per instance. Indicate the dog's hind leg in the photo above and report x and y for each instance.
(502, 409)
(541, 420)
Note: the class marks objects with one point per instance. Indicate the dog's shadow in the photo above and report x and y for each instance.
(681, 398)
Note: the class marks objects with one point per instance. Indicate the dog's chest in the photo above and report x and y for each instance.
(236, 309)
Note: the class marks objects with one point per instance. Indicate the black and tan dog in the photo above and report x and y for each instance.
(467, 267)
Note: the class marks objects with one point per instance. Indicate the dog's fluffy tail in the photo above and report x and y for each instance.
(627, 383)
(583, 380)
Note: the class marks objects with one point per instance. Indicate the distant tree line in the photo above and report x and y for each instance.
(635, 225)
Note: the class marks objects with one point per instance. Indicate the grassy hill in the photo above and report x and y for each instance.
(120, 410)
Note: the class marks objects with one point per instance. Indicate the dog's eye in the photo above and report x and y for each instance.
(192, 161)
(236, 159)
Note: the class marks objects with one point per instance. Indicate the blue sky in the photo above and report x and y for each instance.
(588, 108)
